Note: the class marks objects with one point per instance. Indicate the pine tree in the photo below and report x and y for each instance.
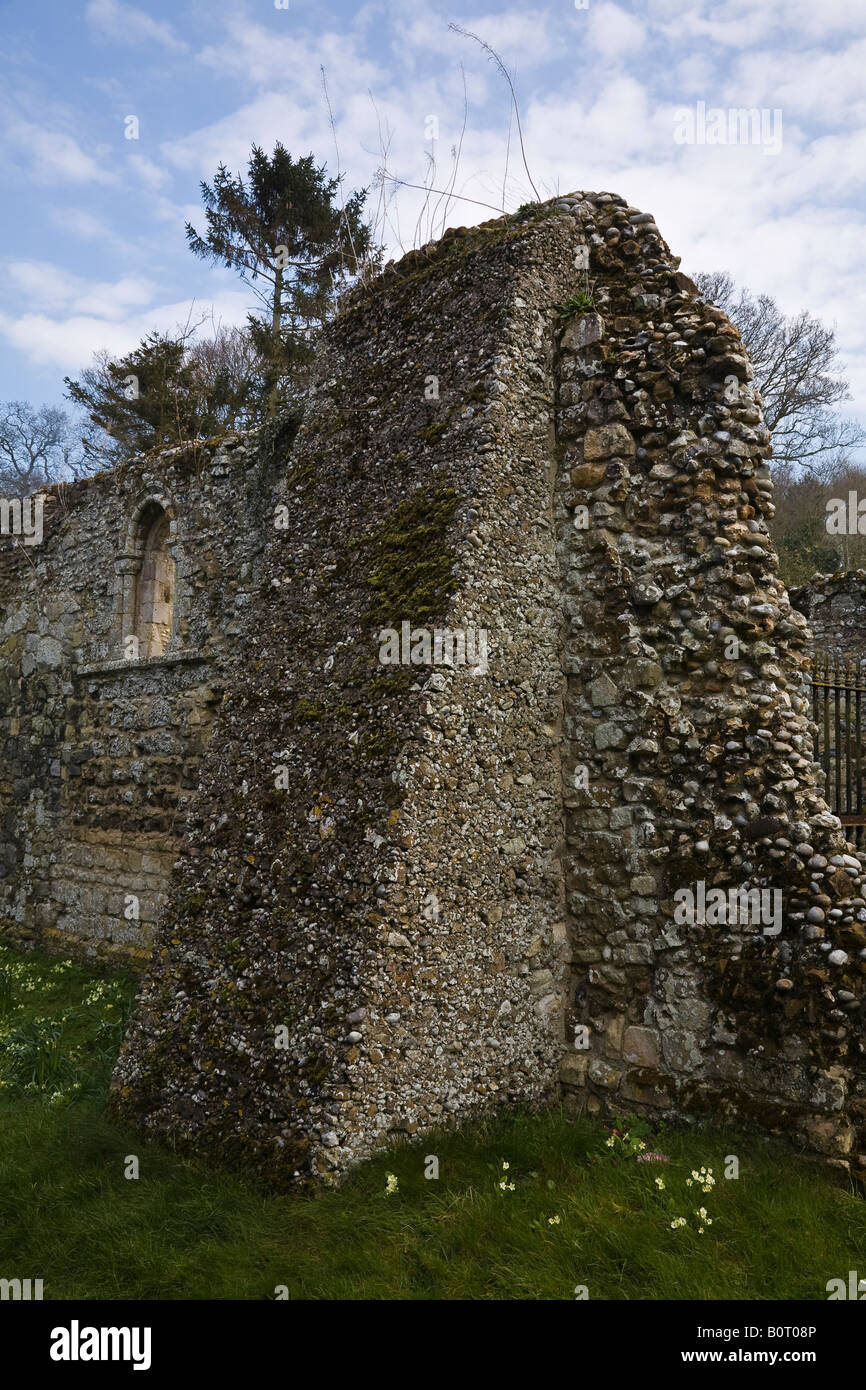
(284, 226)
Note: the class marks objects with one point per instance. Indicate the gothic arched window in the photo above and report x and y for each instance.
(149, 582)
(156, 581)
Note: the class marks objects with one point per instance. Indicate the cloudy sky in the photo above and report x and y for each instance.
(92, 244)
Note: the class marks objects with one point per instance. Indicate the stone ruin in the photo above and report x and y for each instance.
(834, 606)
(478, 688)
(115, 633)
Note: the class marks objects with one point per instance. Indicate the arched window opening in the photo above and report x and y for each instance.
(156, 585)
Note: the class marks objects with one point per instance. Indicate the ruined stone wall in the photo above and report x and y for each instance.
(374, 865)
(411, 891)
(687, 706)
(834, 606)
(101, 752)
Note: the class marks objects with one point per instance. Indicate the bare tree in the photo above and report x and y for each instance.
(805, 538)
(797, 371)
(229, 371)
(171, 390)
(38, 446)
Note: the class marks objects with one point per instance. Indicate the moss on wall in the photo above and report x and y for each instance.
(411, 560)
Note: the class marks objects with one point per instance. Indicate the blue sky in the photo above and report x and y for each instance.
(91, 235)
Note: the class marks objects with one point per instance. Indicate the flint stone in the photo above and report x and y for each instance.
(582, 332)
(608, 441)
(641, 1046)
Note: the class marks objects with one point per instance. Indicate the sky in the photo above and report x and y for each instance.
(112, 113)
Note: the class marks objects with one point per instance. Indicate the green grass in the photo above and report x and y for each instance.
(189, 1229)
(61, 1026)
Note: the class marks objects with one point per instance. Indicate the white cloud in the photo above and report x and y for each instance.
(126, 24)
(827, 87)
(522, 38)
(256, 54)
(614, 32)
(271, 117)
(45, 284)
(113, 300)
(67, 343)
(147, 172)
(82, 223)
(604, 132)
(51, 154)
(743, 24)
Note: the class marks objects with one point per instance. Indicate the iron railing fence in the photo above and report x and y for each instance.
(838, 681)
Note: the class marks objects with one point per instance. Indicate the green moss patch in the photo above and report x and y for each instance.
(410, 575)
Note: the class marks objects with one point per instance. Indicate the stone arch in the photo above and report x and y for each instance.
(149, 578)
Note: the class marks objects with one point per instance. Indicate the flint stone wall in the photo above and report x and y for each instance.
(834, 606)
(407, 891)
(100, 753)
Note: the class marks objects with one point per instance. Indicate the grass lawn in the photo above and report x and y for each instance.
(579, 1213)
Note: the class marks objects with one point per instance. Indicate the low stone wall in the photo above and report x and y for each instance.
(834, 606)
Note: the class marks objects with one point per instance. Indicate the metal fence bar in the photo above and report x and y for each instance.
(858, 744)
(826, 695)
(847, 699)
(837, 740)
(838, 683)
